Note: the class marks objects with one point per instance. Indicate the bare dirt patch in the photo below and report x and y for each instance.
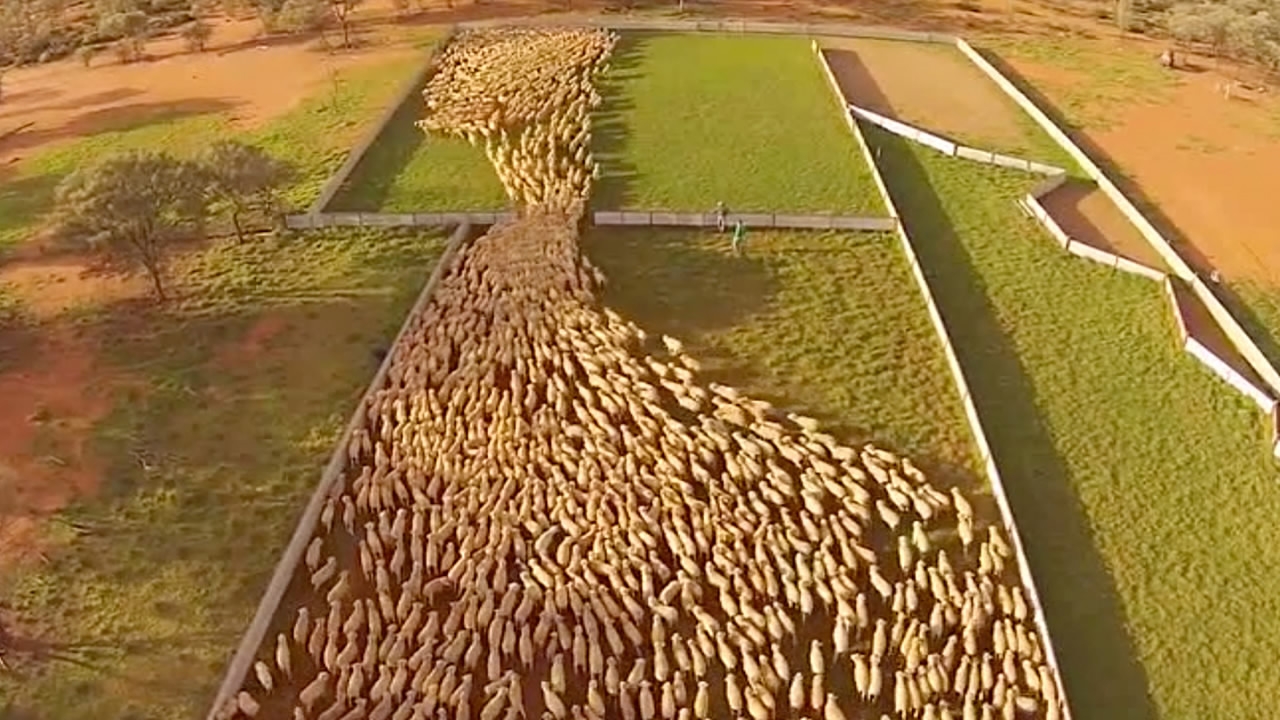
(1089, 216)
(52, 287)
(255, 342)
(248, 80)
(50, 403)
(1202, 326)
(1208, 163)
(929, 86)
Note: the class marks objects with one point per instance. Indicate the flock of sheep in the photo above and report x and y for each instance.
(526, 95)
(546, 513)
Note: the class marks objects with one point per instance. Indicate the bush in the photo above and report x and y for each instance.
(197, 35)
(86, 53)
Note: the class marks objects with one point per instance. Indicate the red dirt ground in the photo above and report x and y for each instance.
(931, 87)
(44, 463)
(1208, 163)
(249, 80)
(1090, 217)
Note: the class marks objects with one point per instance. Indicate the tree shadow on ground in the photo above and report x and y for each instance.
(609, 124)
(1267, 338)
(1102, 674)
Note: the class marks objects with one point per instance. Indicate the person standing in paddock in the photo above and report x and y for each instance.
(722, 216)
(739, 238)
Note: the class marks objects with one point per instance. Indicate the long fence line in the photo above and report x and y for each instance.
(1236, 334)
(754, 220)
(285, 570)
(1030, 204)
(307, 221)
(366, 141)
(962, 386)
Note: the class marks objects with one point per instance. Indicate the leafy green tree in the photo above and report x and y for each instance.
(246, 179)
(132, 208)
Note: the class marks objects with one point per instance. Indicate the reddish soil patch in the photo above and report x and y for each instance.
(1207, 162)
(248, 79)
(50, 287)
(50, 403)
(930, 86)
(255, 342)
(1090, 217)
(1201, 326)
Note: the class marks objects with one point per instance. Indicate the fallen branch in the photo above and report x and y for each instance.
(9, 133)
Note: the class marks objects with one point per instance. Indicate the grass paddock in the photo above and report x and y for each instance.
(689, 120)
(234, 399)
(1141, 482)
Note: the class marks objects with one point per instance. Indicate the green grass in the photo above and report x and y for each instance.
(315, 137)
(691, 120)
(407, 171)
(1142, 484)
(139, 611)
(829, 324)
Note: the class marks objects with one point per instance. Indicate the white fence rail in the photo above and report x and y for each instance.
(307, 221)
(754, 220)
(238, 669)
(1252, 354)
(966, 398)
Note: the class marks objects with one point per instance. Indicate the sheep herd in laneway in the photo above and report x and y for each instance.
(547, 513)
(526, 95)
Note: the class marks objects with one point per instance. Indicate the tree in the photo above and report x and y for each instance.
(1124, 10)
(303, 16)
(341, 11)
(132, 208)
(246, 178)
(130, 26)
(197, 35)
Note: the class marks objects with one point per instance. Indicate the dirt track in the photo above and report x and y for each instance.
(1087, 215)
(932, 87)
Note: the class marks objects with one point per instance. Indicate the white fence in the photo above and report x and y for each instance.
(717, 26)
(1252, 354)
(238, 669)
(413, 84)
(1223, 370)
(307, 221)
(1040, 214)
(962, 386)
(947, 147)
(754, 220)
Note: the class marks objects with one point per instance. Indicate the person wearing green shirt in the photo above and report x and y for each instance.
(739, 237)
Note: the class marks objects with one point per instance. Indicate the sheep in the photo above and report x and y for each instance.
(532, 487)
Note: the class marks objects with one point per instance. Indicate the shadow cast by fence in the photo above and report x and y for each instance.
(1098, 659)
(372, 178)
(609, 124)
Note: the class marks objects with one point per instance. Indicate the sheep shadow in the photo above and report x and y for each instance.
(1099, 663)
(609, 124)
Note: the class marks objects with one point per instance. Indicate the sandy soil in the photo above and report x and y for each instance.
(248, 79)
(1090, 217)
(1206, 162)
(50, 404)
(931, 87)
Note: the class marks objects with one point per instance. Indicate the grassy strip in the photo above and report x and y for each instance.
(825, 322)
(1142, 483)
(407, 171)
(314, 137)
(235, 398)
(689, 120)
